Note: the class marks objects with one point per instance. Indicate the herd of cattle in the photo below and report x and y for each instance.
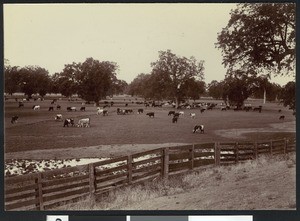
(86, 122)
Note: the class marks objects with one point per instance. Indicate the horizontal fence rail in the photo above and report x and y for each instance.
(46, 190)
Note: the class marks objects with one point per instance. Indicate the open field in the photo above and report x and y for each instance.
(37, 132)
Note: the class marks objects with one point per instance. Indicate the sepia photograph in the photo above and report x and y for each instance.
(153, 106)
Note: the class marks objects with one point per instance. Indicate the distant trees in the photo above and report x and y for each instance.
(288, 95)
(215, 89)
(172, 77)
(260, 36)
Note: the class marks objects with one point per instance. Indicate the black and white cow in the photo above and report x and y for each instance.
(198, 128)
(150, 114)
(58, 117)
(71, 109)
(85, 122)
(69, 121)
(14, 119)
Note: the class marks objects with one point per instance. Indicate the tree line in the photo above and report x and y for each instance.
(257, 43)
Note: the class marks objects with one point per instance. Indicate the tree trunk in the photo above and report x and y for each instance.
(265, 95)
(97, 103)
(177, 101)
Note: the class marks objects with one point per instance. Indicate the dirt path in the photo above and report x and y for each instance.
(240, 133)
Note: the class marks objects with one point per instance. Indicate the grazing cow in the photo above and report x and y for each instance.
(181, 113)
(199, 128)
(71, 109)
(126, 105)
(257, 109)
(50, 109)
(128, 111)
(176, 115)
(209, 107)
(140, 111)
(174, 119)
(14, 119)
(281, 117)
(111, 103)
(193, 115)
(82, 109)
(52, 102)
(99, 111)
(150, 114)
(223, 109)
(58, 117)
(69, 121)
(171, 113)
(21, 104)
(58, 107)
(85, 122)
(36, 107)
(105, 112)
(279, 111)
(202, 110)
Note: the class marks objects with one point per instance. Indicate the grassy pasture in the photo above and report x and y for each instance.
(38, 130)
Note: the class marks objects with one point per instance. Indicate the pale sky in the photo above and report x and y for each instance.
(52, 35)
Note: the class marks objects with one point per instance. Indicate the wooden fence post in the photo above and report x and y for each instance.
(236, 151)
(285, 146)
(192, 156)
(217, 154)
(40, 192)
(271, 147)
(255, 150)
(92, 180)
(166, 163)
(129, 163)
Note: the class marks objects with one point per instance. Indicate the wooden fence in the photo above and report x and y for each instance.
(46, 190)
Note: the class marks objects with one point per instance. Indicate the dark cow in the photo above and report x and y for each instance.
(69, 109)
(202, 110)
(199, 128)
(105, 113)
(128, 111)
(257, 109)
(82, 108)
(111, 103)
(281, 117)
(171, 113)
(176, 115)
(279, 111)
(175, 119)
(69, 121)
(21, 104)
(150, 114)
(223, 109)
(140, 111)
(14, 119)
(126, 105)
(58, 107)
(50, 109)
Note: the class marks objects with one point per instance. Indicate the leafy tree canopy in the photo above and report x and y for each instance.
(261, 36)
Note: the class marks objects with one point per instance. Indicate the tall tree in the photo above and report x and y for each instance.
(193, 89)
(34, 79)
(288, 95)
(12, 79)
(95, 79)
(138, 85)
(261, 36)
(66, 80)
(175, 72)
(215, 89)
(238, 86)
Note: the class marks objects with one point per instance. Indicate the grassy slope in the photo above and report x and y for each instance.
(263, 184)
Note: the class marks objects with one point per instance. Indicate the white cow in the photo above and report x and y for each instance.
(193, 115)
(85, 122)
(99, 111)
(181, 113)
(36, 107)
